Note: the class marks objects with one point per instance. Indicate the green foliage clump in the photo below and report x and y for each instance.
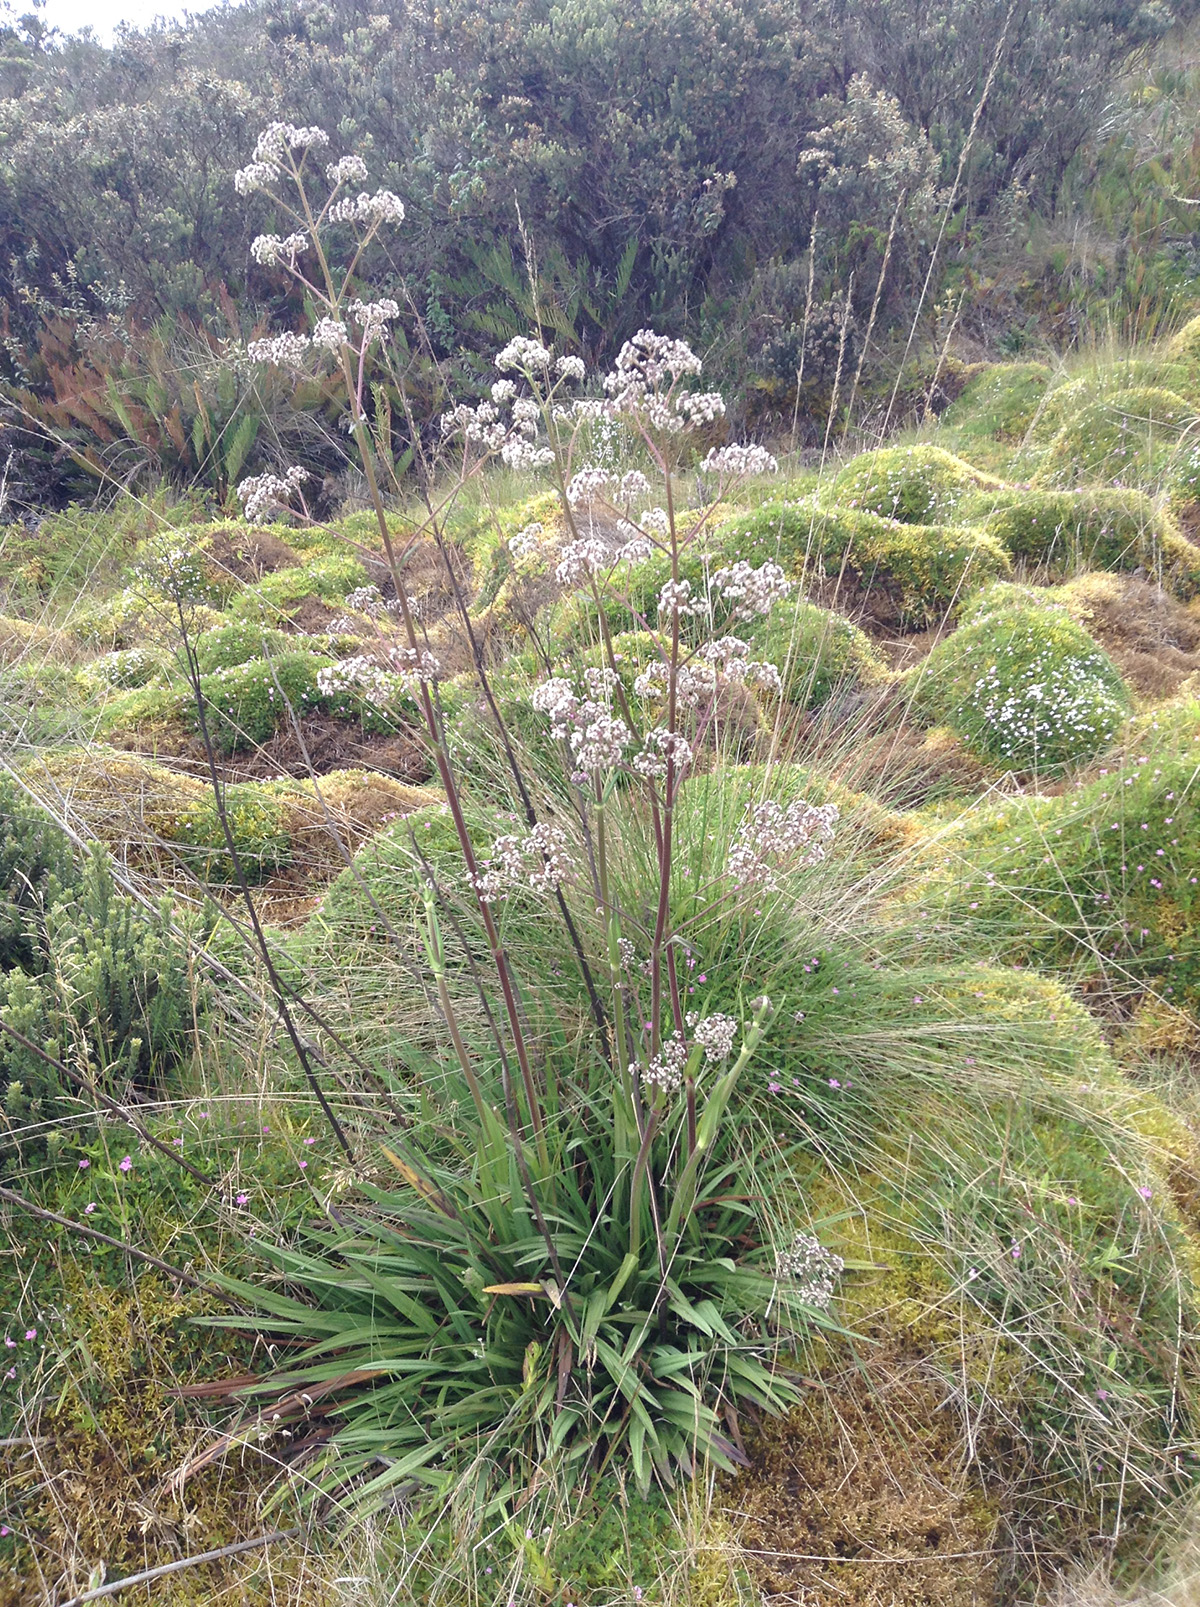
(1128, 436)
(913, 573)
(818, 653)
(1101, 880)
(1000, 403)
(919, 485)
(247, 703)
(105, 987)
(258, 823)
(281, 595)
(1022, 684)
(227, 646)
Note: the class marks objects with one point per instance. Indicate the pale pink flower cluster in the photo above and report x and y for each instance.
(751, 591)
(357, 675)
(581, 559)
(414, 666)
(665, 1070)
(659, 746)
(264, 493)
(526, 541)
(714, 1034)
(772, 837)
(736, 462)
(598, 738)
(541, 860)
(589, 484)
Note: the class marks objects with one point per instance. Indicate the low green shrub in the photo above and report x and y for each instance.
(35, 867)
(818, 653)
(246, 704)
(125, 669)
(230, 645)
(919, 485)
(1022, 684)
(1128, 437)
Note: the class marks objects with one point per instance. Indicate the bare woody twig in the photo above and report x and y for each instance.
(181, 1563)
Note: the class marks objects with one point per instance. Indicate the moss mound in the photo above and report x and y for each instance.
(282, 596)
(227, 646)
(1023, 684)
(913, 484)
(1102, 880)
(1000, 403)
(903, 573)
(1128, 436)
(818, 653)
(248, 702)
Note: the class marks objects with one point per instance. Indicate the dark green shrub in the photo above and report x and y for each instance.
(816, 651)
(35, 866)
(914, 484)
(230, 645)
(1022, 684)
(108, 989)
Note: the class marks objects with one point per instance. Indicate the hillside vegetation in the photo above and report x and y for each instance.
(599, 981)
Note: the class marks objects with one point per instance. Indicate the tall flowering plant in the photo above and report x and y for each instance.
(589, 1280)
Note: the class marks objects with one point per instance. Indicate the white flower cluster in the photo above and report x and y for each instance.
(270, 153)
(714, 1034)
(589, 484)
(723, 660)
(772, 835)
(570, 367)
(698, 408)
(284, 351)
(659, 746)
(582, 558)
(676, 598)
(329, 335)
(813, 1268)
(370, 600)
(541, 860)
(374, 316)
(1050, 707)
(735, 462)
(751, 591)
(523, 356)
(269, 249)
(633, 487)
(414, 666)
(597, 737)
(525, 543)
(666, 1069)
(347, 170)
(382, 207)
(648, 369)
(480, 423)
(359, 676)
(261, 493)
(729, 657)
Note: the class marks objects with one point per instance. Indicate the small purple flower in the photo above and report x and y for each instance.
(125, 1164)
(1145, 1192)
(303, 1164)
(773, 1087)
(31, 1333)
(83, 1165)
(88, 1209)
(310, 1140)
(241, 1199)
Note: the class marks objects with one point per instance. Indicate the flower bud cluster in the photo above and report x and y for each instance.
(347, 170)
(813, 1268)
(659, 746)
(666, 1070)
(714, 1034)
(772, 835)
(261, 493)
(268, 249)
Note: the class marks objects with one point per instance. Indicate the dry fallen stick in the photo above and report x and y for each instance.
(175, 1567)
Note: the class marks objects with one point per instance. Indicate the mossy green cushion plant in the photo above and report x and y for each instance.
(1022, 684)
(1000, 403)
(1127, 437)
(1096, 527)
(230, 645)
(914, 484)
(258, 823)
(277, 597)
(247, 703)
(912, 572)
(1102, 879)
(817, 652)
